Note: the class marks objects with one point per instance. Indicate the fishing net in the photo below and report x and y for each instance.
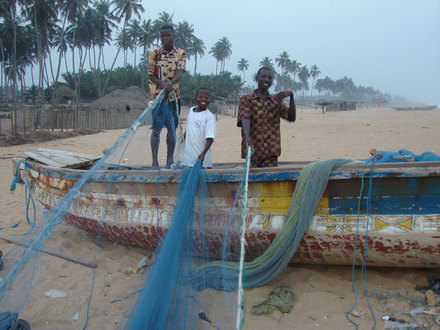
(403, 155)
(201, 233)
(168, 211)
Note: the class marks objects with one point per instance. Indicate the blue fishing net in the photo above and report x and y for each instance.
(115, 200)
(168, 300)
(403, 155)
(188, 219)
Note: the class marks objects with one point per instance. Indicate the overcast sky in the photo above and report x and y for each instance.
(390, 45)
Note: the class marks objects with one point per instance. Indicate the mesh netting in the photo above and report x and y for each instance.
(126, 197)
(193, 219)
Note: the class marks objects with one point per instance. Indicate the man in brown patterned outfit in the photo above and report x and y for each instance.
(166, 65)
(259, 116)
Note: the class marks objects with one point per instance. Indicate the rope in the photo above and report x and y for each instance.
(241, 309)
(7, 319)
(58, 211)
(27, 194)
(363, 276)
(310, 187)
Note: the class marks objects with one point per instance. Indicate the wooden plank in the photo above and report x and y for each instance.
(63, 160)
(43, 159)
(60, 158)
(50, 251)
(73, 154)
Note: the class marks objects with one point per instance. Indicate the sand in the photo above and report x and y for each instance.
(323, 293)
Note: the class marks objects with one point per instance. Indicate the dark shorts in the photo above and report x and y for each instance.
(166, 114)
(266, 162)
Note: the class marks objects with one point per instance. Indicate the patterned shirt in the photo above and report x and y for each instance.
(164, 65)
(264, 115)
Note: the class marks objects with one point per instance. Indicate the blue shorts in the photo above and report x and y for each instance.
(165, 114)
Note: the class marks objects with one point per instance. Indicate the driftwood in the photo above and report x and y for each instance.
(51, 252)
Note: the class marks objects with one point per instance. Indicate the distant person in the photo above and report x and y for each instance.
(200, 132)
(259, 116)
(166, 65)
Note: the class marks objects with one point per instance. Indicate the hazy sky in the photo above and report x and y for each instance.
(391, 45)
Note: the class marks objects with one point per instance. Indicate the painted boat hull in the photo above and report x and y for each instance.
(399, 228)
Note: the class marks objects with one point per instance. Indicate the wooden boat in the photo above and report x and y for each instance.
(402, 227)
(421, 107)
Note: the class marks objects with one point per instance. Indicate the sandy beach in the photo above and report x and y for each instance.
(323, 293)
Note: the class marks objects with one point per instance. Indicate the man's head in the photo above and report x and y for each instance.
(167, 36)
(203, 98)
(264, 77)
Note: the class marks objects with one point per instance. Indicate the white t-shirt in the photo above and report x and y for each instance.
(199, 127)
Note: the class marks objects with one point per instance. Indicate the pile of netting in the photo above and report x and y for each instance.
(402, 155)
(194, 224)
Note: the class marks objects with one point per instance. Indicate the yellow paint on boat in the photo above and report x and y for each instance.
(275, 197)
(407, 224)
(380, 224)
(266, 223)
(323, 205)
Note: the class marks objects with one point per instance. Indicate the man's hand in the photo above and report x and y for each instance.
(284, 94)
(201, 157)
(167, 87)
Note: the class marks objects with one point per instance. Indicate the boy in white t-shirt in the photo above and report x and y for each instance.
(200, 131)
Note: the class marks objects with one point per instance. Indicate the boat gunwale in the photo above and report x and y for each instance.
(286, 171)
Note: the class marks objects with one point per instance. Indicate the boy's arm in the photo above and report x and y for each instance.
(292, 107)
(208, 144)
(246, 128)
(243, 120)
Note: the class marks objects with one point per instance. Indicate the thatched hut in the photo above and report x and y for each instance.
(63, 94)
(336, 105)
(130, 99)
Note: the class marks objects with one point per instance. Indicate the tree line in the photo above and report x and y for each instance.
(47, 35)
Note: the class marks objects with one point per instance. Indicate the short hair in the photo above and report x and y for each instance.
(202, 89)
(167, 27)
(264, 68)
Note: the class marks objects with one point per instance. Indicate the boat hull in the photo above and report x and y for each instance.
(397, 222)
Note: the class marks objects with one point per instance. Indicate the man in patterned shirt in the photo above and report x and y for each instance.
(166, 65)
(259, 116)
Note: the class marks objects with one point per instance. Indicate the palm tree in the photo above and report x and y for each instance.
(242, 66)
(10, 14)
(73, 12)
(135, 31)
(197, 48)
(124, 42)
(225, 51)
(105, 22)
(221, 51)
(293, 67)
(267, 62)
(283, 61)
(303, 76)
(126, 9)
(314, 72)
(184, 35)
(146, 40)
(215, 52)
